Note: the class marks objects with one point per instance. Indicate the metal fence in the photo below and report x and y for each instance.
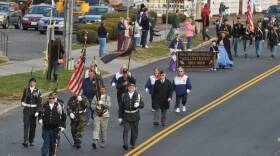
(3, 43)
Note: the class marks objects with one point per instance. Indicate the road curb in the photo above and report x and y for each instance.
(108, 75)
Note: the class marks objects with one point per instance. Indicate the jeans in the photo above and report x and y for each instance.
(245, 45)
(144, 38)
(204, 33)
(151, 34)
(259, 45)
(49, 137)
(236, 45)
(137, 41)
(182, 98)
(273, 50)
(90, 110)
(102, 44)
(189, 42)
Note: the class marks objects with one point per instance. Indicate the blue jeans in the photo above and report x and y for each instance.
(273, 50)
(144, 38)
(90, 110)
(189, 42)
(259, 45)
(102, 44)
(49, 137)
(245, 45)
(236, 45)
(137, 41)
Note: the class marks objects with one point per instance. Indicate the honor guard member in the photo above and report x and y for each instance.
(259, 37)
(118, 75)
(122, 84)
(237, 35)
(149, 87)
(182, 87)
(129, 114)
(101, 117)
(53, 119)
(77, 110)
(31, 103)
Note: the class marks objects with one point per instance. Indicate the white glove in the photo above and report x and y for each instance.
(147, 90)
(22, 103)
(120, 120)
(113, 84)
(72, 116)
(100, 102)
(36, 114)
(136, 105)
(262, 40)
(79, 98)
(41, 122)
(61, 129)
(188, 91)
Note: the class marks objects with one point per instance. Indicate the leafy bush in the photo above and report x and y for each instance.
(182, 17)
(92, 36)
(93, 26)
(115, 15)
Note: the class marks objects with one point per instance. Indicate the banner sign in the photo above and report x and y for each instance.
(200, 60)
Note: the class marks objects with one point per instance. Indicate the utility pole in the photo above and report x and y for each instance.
(166, 21)
(198, 15)
(127, 8)
(68, 29)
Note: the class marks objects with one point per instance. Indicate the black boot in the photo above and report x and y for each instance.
(25, 144)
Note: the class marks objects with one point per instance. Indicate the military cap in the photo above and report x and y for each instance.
(131, 85)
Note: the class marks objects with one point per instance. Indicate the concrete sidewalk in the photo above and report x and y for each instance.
(92, 51)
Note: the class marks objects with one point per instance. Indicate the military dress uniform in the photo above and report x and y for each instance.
(31, 102)
(53, 119)
(130, 115)
(77, 110)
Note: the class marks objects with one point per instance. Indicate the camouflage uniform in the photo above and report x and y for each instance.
(79, 122)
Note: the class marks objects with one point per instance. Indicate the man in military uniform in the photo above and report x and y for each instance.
(237, 35)
(129, 114)
(31, 102)
(122, 84)
(53, 119)
(77, 110)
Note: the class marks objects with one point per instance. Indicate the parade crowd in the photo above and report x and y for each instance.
(94, 103)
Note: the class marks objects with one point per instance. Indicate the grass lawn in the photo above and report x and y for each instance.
(2, 61)
(13, 85)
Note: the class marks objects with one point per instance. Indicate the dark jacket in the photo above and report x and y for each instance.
(237, 30)
(121, 87)
(127, 104)
(161, 93)
(33, 98)
(179, 42)
(52, 119)
(273, 38)
(121, 27)
(175, 21)
(226, 27)
(214, 49)
(102, 32)
(247, 34)
(227, 46)
(145, 23)
(57, 52)
(89, 87)
(259, 34)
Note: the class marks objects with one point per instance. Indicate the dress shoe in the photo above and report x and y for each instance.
(93, 145)
(25, 144)
(125, 147)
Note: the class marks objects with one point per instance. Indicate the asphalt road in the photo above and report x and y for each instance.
(230, 128)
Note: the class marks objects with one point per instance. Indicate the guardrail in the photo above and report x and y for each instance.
(4, 43)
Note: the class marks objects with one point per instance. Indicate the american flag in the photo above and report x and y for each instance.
(250, 15)
(76, 82)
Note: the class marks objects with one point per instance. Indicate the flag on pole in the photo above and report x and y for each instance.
(76, 82)
(250, 15)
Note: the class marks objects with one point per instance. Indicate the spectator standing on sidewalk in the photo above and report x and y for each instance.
(189, 32)
(222, 9)
(137, 34)
(176, 22)
(120, 35)
(127, 34)
(57, 53)
(102, 36)
(205, 14)
(145, 23)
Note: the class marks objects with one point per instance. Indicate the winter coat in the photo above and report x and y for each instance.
(161, 93)
(189, 29)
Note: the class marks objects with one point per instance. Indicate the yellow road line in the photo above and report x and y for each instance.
(159, 136)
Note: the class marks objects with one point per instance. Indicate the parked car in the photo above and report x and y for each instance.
(57, 20)
(10, 15)
(35, 13)
(95, 14)
(272, 10)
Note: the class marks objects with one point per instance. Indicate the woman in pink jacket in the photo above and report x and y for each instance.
(189, 32)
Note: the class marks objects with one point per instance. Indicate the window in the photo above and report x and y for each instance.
(97, 11)
(274, 10)
(39, 10)
(4, 7)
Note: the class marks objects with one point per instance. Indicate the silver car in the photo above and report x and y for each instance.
(57, 20)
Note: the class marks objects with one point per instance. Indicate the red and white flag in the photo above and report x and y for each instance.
(76, 82)
(250, 10)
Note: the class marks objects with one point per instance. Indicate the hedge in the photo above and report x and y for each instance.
(92, 36)
(182, 17)
(132, 15)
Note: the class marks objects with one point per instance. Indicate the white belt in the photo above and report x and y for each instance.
(82, 111)
(28, 105)
(130, 112)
